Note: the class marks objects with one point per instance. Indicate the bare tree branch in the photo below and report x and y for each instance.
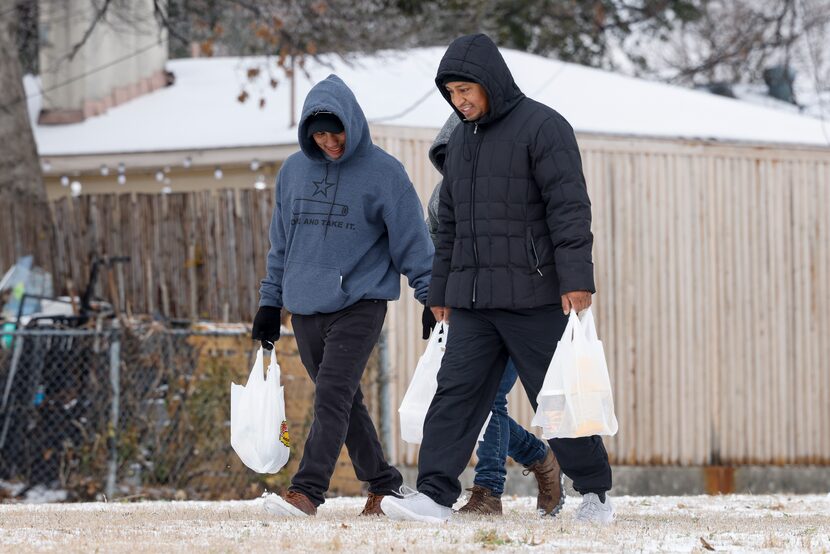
(100, 13)
(161, 15)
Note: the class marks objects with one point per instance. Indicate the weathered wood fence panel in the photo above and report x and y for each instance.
(193, 255)
(24, 230)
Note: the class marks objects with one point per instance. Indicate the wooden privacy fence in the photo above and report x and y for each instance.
(24, 230)
(193, 255)
(712, 267)
(714, 275)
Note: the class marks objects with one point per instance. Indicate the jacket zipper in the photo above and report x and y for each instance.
(473, 213)
(535, 255)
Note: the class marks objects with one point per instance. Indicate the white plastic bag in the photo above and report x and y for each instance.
(259, 432)
(422, 388)
(576, 398)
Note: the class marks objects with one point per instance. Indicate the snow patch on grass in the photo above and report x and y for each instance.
(647, 524)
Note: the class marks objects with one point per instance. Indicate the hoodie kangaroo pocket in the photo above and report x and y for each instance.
(309, 288)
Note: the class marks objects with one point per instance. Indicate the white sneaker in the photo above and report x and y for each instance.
(593, 511)
(415, 506)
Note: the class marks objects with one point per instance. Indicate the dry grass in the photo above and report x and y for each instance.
(644, 524)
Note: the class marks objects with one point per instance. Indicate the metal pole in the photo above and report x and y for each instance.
(293, 80)
(385, 393)
(18, 350)
(115, 381)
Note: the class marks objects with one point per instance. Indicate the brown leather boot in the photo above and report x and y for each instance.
(372, 507)
(549, 478)
(291, 504)
(482, 502)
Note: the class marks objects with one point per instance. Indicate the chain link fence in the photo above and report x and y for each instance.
(141, 411)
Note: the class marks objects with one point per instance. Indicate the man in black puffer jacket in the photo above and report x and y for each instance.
(513, 258)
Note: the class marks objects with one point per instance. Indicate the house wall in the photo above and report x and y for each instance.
(140, 169)
(123, 56)
(713, 277)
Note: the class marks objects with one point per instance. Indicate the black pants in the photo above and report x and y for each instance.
(478, 346)
(334, 349)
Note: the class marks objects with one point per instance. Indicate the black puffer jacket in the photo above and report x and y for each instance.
(514, 213)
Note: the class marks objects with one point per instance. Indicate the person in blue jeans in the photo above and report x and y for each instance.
(504, 436)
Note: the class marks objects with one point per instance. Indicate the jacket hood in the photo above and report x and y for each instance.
(438, 150)
(478, 58)
(332, 95)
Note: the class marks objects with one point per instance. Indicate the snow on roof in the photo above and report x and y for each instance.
(201, 110)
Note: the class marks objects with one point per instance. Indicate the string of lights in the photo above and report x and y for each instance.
(161, 175)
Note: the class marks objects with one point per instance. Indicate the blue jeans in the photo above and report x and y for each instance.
(504, 437)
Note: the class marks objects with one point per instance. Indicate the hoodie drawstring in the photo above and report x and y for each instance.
(333, 200)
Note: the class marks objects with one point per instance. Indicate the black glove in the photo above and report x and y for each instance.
(428, 322)
(266, 326)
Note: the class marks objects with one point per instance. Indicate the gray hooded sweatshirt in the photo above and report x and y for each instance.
(343, 230)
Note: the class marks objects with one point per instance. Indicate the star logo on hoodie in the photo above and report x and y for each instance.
(322, 187)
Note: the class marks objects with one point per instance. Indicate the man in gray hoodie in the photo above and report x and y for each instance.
(347, 224)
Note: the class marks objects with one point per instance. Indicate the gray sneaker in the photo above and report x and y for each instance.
(415, 506)
(593, 511)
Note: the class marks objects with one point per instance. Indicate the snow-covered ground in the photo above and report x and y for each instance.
(644, 524)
